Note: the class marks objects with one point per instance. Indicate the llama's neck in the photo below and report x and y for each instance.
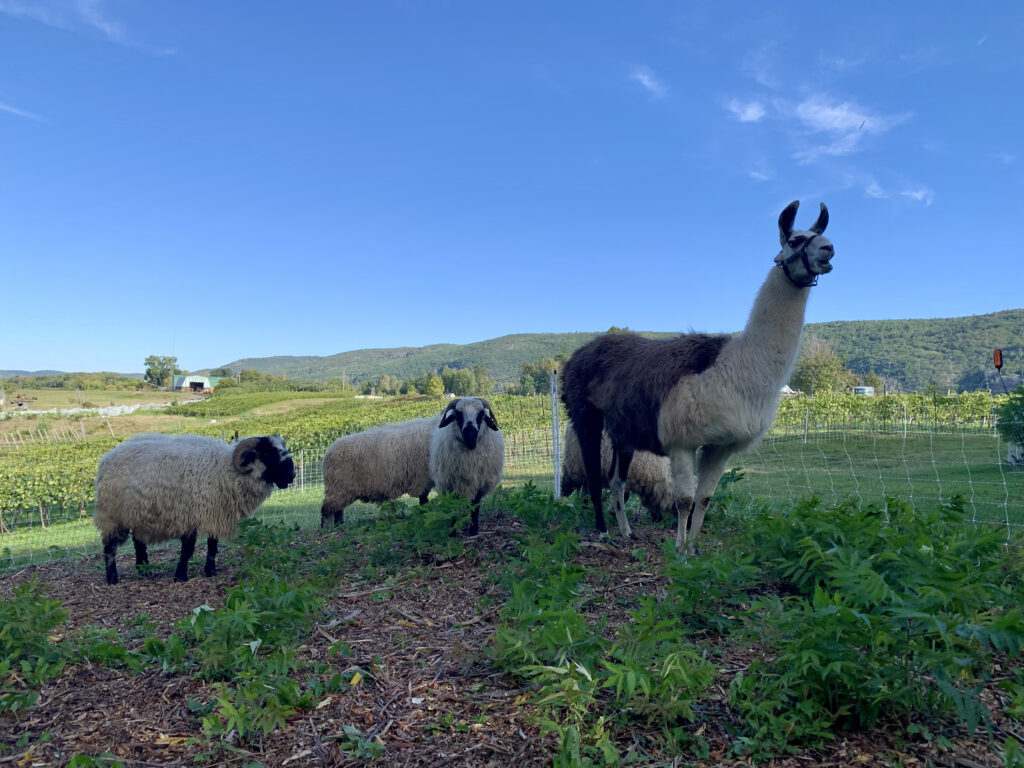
(769, 343)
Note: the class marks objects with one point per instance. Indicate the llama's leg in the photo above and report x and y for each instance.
(684, 488)
(712, 464)
(141, 554)
(620, 469)
(588, 430)
(210, 569)
(188, 546)
(110, 545)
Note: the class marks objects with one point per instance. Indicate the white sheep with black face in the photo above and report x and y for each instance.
(467, 453)
(160, 487)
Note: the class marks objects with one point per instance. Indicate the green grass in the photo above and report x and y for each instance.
(922, 468)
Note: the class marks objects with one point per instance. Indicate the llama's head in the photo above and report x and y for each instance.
(805, 254)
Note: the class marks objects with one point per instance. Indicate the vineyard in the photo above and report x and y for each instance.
(885, 445)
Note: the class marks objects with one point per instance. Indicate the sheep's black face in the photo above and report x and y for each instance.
(470, 429)
(280, 469)
(470, 414)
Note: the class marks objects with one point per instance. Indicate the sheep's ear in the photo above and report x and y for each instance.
(822, 222)
(245, 454)
(448, 414)
(490, 420)
(489, 415)
(786, 219)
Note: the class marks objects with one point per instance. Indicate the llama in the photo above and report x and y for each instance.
(716, 393)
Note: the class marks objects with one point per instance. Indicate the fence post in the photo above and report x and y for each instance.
(302, 470)
(555, 434)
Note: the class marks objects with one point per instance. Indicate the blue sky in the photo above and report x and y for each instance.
(245, 179)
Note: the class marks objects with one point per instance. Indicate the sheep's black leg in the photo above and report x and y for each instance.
(110, 545)
(588, 430)
(188, 546)
(423, 499)
(474, 526)
(330, 516)
(141, 555)
(211, 557)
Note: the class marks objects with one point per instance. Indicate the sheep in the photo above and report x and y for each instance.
(716, 394)
(377, 465)
(468, 458)
(161, 487)
(650, 476)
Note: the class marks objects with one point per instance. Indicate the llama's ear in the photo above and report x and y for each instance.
(786, 219)
(822, 222)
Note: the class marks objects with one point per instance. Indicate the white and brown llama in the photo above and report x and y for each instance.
(715, 393)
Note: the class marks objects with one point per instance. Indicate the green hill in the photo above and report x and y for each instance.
(951, 353)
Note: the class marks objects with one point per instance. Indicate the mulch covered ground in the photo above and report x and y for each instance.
(433, 700)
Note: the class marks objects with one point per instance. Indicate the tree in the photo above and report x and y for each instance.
(160, 369)
(484, 385)
(535, 377)
(819, 369)
(458, 381)
(874, 380)
(434, 385)
(222, 373)
(226, 383)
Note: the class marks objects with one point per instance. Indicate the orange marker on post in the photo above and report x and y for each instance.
(997, 356)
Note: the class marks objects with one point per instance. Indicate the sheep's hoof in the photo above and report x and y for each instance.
(209, 571)
(180, 579)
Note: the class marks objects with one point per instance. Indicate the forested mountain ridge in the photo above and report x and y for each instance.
(949, 353)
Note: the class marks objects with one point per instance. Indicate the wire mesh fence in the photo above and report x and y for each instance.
(924, 464)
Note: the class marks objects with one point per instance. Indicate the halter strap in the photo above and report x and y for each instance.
(802, 255)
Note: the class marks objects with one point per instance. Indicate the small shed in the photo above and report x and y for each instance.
(194, 383)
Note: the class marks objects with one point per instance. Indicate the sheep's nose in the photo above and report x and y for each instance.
(287, 474)
(469, 436)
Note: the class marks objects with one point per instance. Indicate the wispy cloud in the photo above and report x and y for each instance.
(842, 63)
(76, 14)
(746, 111)
(759, 64)
(759, 175)
(920, 194)
(874, 189)
(844, 124)
(981, 42)
(649, 81)
(1003, 157)
(5, 107)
